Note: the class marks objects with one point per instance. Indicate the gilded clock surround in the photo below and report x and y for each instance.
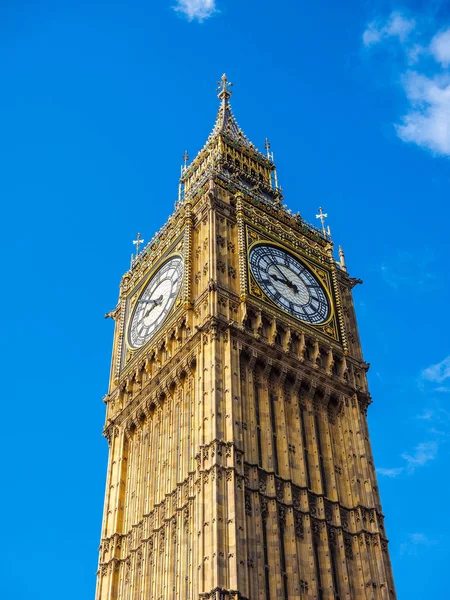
(137, 292)
(240, 465)
(329, 326)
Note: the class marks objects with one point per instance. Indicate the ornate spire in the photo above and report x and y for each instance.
(225, 121)
(229, 151)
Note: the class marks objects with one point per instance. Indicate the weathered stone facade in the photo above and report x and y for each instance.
(240, 464)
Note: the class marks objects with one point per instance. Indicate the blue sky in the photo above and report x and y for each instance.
(98, 102)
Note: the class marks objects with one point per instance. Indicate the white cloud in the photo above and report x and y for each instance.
(439, 372)
(394, 472)
(397, 26)
(423, 453)
(196, 10)
(414, 53)
(440, 47)
(427, 123)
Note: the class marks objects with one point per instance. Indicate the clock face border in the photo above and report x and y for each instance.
(326, 284)
(139, 290)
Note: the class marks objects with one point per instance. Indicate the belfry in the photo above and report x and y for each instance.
(240, 465)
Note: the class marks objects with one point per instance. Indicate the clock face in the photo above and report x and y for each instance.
(155, 302)
(289, 283)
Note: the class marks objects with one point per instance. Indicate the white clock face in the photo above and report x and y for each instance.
(289, 283)
(155, 302)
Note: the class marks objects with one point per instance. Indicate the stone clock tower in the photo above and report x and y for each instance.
(240, 464)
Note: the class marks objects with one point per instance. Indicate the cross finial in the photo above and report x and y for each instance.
(322, 216)
(224, 84)
(267, 147)
(137, 242)
(185, 158)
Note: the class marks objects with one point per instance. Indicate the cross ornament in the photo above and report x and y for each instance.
(223, 90)
(322, 216)
(137, 242)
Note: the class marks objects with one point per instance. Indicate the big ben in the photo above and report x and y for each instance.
(240, 465)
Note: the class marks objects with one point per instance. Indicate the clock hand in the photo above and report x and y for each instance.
(153, 304)
(285, 280)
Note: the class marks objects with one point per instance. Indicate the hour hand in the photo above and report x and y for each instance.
(284, 280)
(152, 303)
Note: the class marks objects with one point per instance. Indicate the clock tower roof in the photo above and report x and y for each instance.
(229, 151)
(226, 123)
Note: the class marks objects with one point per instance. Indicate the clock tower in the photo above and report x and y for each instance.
(240, 466)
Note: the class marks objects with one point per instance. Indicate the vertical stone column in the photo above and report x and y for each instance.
(243, 284)
(187, 252)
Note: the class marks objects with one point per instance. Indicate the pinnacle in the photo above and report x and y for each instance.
(225, 121)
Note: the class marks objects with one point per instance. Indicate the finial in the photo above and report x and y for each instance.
(322, 216)
(224, 92)
(137, 242)
(185, 158)
(269, 155)
(342, 259)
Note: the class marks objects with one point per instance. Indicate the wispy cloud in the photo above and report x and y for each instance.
(415, 542)
(396, 25)
(438, 373)
(426, 416)
(426, 122)
(423, 453)
(435, 424)
(392, 473)
(196, 10)
(405, 268)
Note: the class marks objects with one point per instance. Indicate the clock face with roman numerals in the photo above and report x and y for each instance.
(290, 284)
(155, 302)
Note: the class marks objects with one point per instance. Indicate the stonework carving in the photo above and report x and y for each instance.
(232, 431)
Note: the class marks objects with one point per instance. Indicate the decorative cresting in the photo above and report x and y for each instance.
(240, 464)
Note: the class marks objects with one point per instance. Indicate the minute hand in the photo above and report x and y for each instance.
(285, 280)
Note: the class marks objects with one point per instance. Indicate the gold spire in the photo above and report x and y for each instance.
(226, 145)
(225, 121)
(342, 259)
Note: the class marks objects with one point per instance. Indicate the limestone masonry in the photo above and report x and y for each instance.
(240, 465)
